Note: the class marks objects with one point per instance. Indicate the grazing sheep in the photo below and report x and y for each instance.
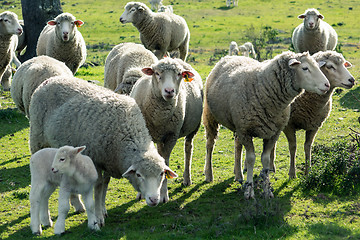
(30, 75)
(159, 32)
(171, 107)
(310, 110)
(257, 104)
(233, 2)
(155, 4)
(233, 49)
(314, 34)
(246, 49)
(69, 111)
(166, 9)
(123, 66)
(61, 40)
(73, 172)
(9, 29)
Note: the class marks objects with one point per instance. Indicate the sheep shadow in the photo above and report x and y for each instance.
(14, 178)
(224, 8)
(351, 99)
(12, 121)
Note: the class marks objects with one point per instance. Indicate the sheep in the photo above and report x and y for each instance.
(70, 111)
(166, 9)
(62, 40)
(233, 2)
(123, 66)
(159, 32)
(155, 4)
(310, 110)
(9, 29)
(246, 49)
(233, 49)
(73, 172)
(257, 104)
(313, 34)
(30, 75)
(22, 43)
(172, 108)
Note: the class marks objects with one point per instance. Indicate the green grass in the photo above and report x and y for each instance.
(203, 210)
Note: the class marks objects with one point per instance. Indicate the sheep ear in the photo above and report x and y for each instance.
(347, 64)
(188, 76)
(320, 16)
(321, 64)
(52, 22)
(80, 149)
(170, 173)
(147, 71)
(131, 170)
(293, 62)
(78, 23)
(302, 16)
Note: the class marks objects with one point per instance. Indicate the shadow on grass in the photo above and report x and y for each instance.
(224, 8)
(351, 99)
(322, 231)
(12, 121)
(24, 233)
(14, 178)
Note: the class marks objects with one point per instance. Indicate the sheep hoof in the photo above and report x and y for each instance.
(249, 191)
(187, 182)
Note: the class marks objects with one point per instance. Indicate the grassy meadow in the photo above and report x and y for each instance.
(203, 210)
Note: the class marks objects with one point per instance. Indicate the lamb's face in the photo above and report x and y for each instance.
(65, 26)
(9, 24)
(132, 11)
(311, 19)
(63, 159)
(336, 72)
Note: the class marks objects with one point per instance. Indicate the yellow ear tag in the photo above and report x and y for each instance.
(187, 79)
(167, 175)
(77, 24)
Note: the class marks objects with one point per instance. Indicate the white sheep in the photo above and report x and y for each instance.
(166, 9)
(159, 32)
(313, 34)
(9, 29)
(123, 66)
(233, 2)
(171, 107)
(246, 49)
(155, 4)
(233, 49)
(70, 111)
(73, 172)
(257, 104)
(62, 40)
(22, 43)
(310, 110)
(30, 75)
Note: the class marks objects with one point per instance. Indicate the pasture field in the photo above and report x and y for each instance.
(203, 210)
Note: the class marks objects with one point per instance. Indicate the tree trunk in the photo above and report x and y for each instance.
(36, 13)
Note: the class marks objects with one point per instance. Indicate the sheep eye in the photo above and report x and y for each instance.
(330, 67)
(162, 174)
(62, 159)
(138, 175)
(5, 20)
(305, 68)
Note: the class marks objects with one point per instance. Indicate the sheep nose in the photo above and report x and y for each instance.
(327, 85)
(352, 80)
(154, 200)
(169, 90)
(65, 33)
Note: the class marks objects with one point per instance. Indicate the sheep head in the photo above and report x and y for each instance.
(65, 26)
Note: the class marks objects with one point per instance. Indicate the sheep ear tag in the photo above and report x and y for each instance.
(78, 23)
(188, 76)
(169, 173)
(347, 64)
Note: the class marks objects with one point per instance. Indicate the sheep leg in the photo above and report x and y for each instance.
(99, 198)
(237, 166)
(160, 54)
(44, 205)
(268, 147)
(290, 134)
(63, 210)
(183, 49)
(76, 202)
(272, 159)
(188, 156)
(250, 161)
(6, 78)
(106, 181)
(90, 209)
(309, 139)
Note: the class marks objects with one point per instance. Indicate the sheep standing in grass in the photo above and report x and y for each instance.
(61, 40)
(233, 49)
(257, 104)
(69, 111)
(233, 2)
(30, 75)
(171, 107)
(246, 49)
(9, 29)
(314, 34)
(310, 110)
(159, 32)
(166, 9)
(155, 4)
(123, 66)
(73, 172)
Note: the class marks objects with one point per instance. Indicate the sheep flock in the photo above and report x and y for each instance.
(150, 98)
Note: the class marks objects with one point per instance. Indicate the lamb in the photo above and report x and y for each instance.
(62, 40)
(159, 32)
(123, 66)
(233, 49)
(30, 75)
(155, 4)
(310, 110)
(70, 111)
(246, 49)
(257, 104)
(233, 2)
(73, 172)
(172, 108)
(9, 29)
(166, 9)
(314, 34)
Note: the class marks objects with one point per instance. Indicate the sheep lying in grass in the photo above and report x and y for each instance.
(159, 32)
(257, 104)
(30, 75)
(73, 172)
(70, 111)
(123, 66)
(233, 49)
(310, 110)
(246, 49)
(9, 29)
(171, 107)
(314, 34)
(61, 40)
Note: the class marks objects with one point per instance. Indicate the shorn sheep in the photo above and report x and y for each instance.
(171, 107)
(10, 28)
(30, 75)
(71, 111)
(313, 34)
(61, 40)
(159, 32)
(123, 66)
(310, 110)
(233, 49)
(257, 104)
(73, 172)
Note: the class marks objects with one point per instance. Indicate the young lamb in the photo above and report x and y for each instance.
(310, 110)
(30, 75)
(123, 66)
(233, 49)
(257, 104)
(155, 4)
(314, 34)
(246, 49)
(233, 2)
(171, 107)
(70, 111)
(62, 40)
(73, 172)
(159, 32)
(9, 29)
